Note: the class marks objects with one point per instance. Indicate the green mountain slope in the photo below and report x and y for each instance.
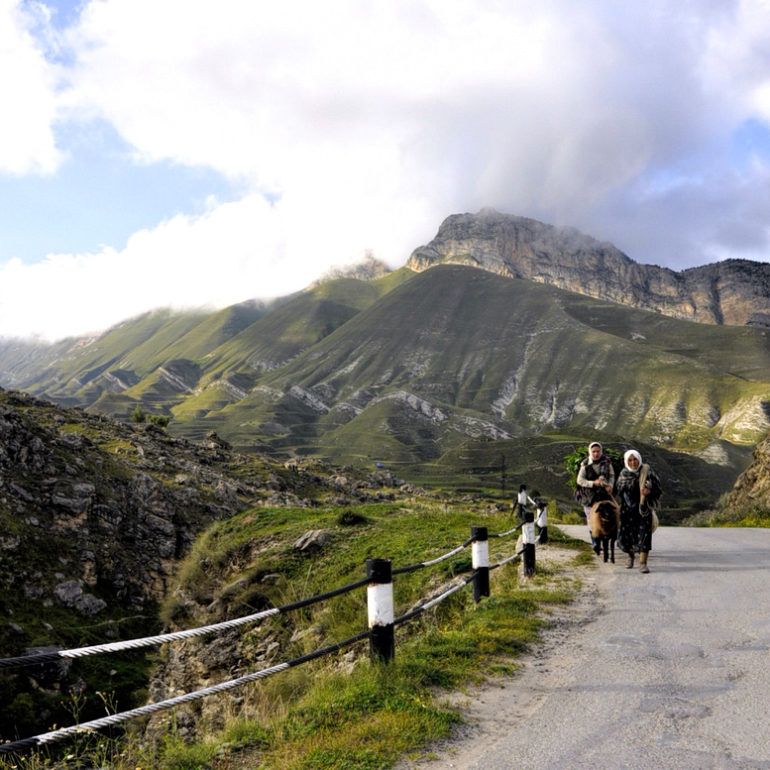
(161, 358)
(23, 361)
(231, 370)
(458, 353)
(110, 361)
(297, 323)
(411, 368)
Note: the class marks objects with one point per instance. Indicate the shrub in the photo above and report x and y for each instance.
(138, 414)
(350, 518)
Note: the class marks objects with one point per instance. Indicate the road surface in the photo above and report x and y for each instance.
(667, 670)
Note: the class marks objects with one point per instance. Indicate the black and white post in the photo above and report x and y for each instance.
(528, 539)
(480, 556)
(379, 598)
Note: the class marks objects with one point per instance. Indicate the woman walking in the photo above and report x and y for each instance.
(595, 481)
(638, 490)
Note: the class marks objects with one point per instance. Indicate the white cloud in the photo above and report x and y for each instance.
(544, 108)
(234, 252)
(27, 95)
(368, 123)
(541, 107)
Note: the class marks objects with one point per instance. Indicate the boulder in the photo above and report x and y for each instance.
(214, 441)
(70, 594)
(312, 541)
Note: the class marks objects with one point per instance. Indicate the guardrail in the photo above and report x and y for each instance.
(381, 630)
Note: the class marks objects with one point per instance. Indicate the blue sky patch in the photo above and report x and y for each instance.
(750, 141)
(100, 195)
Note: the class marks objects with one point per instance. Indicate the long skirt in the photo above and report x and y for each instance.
(635, 535)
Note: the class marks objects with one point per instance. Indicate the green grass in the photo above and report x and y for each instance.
(371, 717)
(724, 517)
(362, 714)
(752, 520)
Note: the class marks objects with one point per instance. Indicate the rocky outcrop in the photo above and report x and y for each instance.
(108, 519)
(368, 269)
(751, 493)
(116, 505)
(731, 292)
(95, 516)
(312, 541)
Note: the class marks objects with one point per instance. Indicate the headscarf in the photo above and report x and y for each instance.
(632, 453)
(592, 445)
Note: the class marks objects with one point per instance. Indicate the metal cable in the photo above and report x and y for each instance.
(433, 602)
(148, 641)
(151, 708)
(508, 532)
(507, 560)
(437, 560)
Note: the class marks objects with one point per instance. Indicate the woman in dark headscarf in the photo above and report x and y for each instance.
(638, 490)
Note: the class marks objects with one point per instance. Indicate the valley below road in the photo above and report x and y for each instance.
(667, 670)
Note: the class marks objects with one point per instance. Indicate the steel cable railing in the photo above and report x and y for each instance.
(115, 719)
(174, 636)
(151, 708)
(431, 562)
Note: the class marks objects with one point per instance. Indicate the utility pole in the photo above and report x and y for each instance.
(502, 473)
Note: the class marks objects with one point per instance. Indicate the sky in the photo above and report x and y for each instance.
(182, 153)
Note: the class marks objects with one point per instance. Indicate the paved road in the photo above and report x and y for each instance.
(671, 671)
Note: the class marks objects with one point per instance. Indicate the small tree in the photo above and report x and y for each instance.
(138, 414)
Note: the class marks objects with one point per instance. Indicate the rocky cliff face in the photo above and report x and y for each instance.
(93, 509)
(95, 516)
(751, 493)
(731, 292)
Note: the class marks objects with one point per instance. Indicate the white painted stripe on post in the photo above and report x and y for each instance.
(480, 553)
(528, 533)
(379, 598)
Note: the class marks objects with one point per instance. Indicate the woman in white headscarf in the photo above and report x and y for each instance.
(638, 491)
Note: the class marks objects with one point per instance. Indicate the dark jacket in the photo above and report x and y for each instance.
(590, 495)
(635, 510)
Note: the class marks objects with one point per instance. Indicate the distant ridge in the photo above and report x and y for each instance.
(733, 292)
(417, 368)
(368, 269)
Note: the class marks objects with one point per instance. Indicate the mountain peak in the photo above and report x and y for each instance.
(368, 269)
(735, 292)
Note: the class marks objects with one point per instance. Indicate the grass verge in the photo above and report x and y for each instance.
(345, 711)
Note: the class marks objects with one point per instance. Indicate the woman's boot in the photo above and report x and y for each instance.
(643, 562)
(630, 563)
